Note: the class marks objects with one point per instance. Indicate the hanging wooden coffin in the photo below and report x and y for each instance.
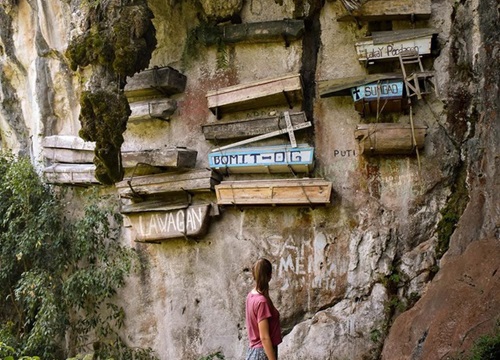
(175, 157)
(389, 139)
(169, 223)
(274, 192)
(380, 10)
(152, 109)
(68, 149)
(154, 82)
(250, 127)
(270, 159)
(372, 94)
(379, 97)
(384, 45)
(268, 31)
(199, 180)
(284, 90)
(70, 174)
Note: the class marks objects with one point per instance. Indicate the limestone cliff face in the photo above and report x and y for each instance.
(361, 278)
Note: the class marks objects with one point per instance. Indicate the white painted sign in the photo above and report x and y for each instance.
(367, 51)
(159, 225)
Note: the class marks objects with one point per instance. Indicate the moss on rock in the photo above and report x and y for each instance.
(104, 116)
(119, 40)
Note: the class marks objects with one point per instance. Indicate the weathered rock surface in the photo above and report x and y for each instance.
(461, 304)
(343, 271)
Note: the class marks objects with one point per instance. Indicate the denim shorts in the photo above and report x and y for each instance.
(259, 354)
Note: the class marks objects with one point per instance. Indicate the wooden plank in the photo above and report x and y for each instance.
(67, 142)
(156, 204)
(388, 44)
(269, 159)
(388, 139)
(156, 81)
(167, 157)
(191, 221)
(199, 180)
(71, 174)
(152, 109)
(68, 156)
(259, 32)
(250, 127)
(284, 90)
(343, 86)
(274, 192)
(377, 10)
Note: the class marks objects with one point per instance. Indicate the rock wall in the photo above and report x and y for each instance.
(343, 272)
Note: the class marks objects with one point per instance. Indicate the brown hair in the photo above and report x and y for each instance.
(262, 271)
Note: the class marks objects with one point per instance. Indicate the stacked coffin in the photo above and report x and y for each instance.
(71, 160)
(149, 93)
(243, 157)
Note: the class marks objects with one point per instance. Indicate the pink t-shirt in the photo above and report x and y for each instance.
(258, 309)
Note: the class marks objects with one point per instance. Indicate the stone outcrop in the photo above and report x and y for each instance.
(390, 268)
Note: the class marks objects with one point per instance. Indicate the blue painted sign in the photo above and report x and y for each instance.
(263, 159)
(385, 89)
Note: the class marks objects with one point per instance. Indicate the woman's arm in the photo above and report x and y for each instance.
(265, 338)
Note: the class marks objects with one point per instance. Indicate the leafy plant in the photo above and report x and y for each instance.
(214, 356)
(58, 273)
(487, 347)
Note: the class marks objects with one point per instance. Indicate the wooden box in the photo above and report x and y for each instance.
(250, 127)
(383, 45)
(389, 139)
(70, 174)
(198, 180)
(175, 157)
(274, 192)
(68, 149)
(284, 90)
(154, 82)
(160, 109)
(268, 31)
(381, 10)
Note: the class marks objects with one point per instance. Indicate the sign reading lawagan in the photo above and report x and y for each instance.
(166, 224)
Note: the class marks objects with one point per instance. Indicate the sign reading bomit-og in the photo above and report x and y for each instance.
(387, 89)
(271, 159)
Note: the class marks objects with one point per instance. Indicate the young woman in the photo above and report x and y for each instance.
(262, 318)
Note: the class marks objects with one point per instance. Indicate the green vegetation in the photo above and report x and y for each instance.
(214, 356)
(58, 273)
(451, 212)
(487, 347)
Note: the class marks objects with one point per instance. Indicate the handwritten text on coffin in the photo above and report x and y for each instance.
(384, 89)
(158, 225)
(265, 156)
